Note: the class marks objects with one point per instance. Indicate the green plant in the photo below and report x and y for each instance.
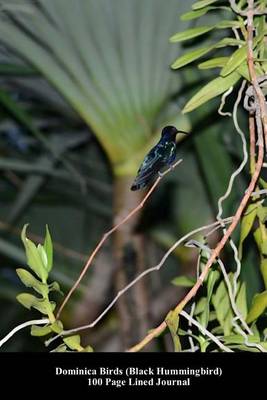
(40, 261)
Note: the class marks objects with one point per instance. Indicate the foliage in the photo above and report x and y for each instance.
(122, 88)
(40, 261)
(224, 302)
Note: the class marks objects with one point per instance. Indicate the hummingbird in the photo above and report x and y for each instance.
(161, 155)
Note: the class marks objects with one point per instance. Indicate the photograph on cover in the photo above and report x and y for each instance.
(133, 179)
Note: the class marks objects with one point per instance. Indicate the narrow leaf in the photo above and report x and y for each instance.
(241, 300)
(214, 88)
(190, 57)
(246, 225)
(217, 62)
(263, 267)
(259, 304)
(48, 247)
(195, 14)
(172, 320)
(34, 259)
(234, 61)
(202, 3)
(190, 33)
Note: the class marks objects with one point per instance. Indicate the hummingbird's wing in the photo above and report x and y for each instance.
(151, 165)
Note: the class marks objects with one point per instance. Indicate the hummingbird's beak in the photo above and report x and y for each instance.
(185, 133)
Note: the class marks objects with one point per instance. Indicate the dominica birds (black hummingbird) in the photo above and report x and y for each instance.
(161, 155)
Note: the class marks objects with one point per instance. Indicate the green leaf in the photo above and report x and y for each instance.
(40, 330)
(30, 281)
(236, 59)
(260, 236)
(228, 24)
(214, 88)
(196, 13)
(222, 307)
(29, 301)
(88, 349)
(62, 348)
(184, 281)
(42, 254)
(26, 299)
(48, 246)
(197, 53)
(200, 306)
(73, 342)
(262, 213)
(190, 33)
(239, 339)
(241, 301)
(172, 320)
(246, 225)
(34, 259)
(229, 42)
(213, 276)
(57, 327)
(263, 267)
(54, 286)
(202, 3)
(190, 57)
(213, 63)
(259, 304)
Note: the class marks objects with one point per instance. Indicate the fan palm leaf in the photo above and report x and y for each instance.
(109, 59)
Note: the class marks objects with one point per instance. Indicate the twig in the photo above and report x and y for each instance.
(195, 243)
(134, 281)
(21, 326)
(252, 72)
(206, 332)
(246, 197)
(245, 153)
(244, 13)
(231, 182)
(246, 341)
(222, 104)
(107, 234)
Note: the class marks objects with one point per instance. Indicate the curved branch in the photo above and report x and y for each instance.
(21, 326)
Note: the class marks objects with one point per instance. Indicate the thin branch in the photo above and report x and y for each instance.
(222, 104)
(195, 243)
(206, 332)
(134, 281)
(246, 341)
(21, 326)
(246, 197)
(252, 72)
(244, 13)
(245, 153)
(107, 234)
(231, 182)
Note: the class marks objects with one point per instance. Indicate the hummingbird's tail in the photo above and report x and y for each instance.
(141, 182)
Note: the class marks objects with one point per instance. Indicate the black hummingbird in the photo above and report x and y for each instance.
(161, 155)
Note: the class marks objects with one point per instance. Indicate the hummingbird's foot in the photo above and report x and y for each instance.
(160, 174)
